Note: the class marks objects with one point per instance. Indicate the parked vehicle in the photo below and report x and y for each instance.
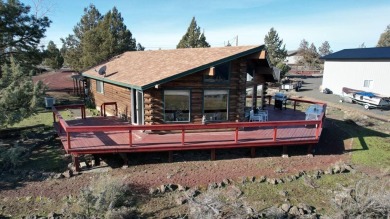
(291, 84)
(327, 91)
(367, 99)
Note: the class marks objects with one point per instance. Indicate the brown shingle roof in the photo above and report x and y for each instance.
(144, 69)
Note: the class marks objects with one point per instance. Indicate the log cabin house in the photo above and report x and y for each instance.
(180, 85)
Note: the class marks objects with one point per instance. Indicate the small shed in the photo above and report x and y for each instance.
(366, 69)
(180, 85)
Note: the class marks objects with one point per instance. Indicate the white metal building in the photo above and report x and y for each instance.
(366, 69)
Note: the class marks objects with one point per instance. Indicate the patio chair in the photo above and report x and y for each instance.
(264, 114)
(255, 117)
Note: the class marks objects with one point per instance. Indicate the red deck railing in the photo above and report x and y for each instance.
(236, 126)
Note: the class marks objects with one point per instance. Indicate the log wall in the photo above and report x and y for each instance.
(112, 93)
(154, 110)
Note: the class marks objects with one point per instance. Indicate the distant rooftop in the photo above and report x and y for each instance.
(360, 53)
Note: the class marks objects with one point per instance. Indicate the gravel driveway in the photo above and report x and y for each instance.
(310, 89)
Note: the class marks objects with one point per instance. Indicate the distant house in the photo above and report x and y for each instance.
(293, 58)
(181, 85)
(365, 69)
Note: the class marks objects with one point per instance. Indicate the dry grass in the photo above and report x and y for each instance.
(369, 198)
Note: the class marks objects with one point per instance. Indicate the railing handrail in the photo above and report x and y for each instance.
(169, 127)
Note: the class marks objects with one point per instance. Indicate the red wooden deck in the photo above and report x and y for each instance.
(110, 135)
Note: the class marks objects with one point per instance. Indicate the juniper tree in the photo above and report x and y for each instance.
(19, 96)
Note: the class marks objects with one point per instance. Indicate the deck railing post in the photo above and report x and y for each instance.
(130, 138)
(275, 131)
(295, 104)
(182, 136)
(54, 117)
(317, 130)
(236, 135)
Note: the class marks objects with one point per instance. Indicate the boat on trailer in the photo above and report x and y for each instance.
(367, 99)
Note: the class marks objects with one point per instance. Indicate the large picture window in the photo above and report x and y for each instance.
(100, 87)
(216, 105)
(177, 105)
(221, 74)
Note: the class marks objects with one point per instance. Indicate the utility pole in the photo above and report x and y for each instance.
(237, 40)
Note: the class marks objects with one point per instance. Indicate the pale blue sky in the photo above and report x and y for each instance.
(161, 24)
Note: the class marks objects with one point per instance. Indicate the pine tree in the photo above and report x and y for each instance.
(310, 58)
(384, 39)
(324, 49)
(276, 51)
(97, 38)
(20, 34)
(53, 56)
(193, 38)
(19, 96)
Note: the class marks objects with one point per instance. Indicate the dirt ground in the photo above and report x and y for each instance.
(190, 168)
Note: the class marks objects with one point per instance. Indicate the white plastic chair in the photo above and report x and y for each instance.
(253, 117)
(264, 114)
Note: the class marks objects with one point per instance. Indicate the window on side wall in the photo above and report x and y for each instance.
(215, 105)
(100, 87)
(177, 105)
(368, 83)
(219, 75)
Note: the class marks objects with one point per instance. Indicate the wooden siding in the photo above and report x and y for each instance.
(112, 93)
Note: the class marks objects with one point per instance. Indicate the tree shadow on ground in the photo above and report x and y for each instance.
(44, 156)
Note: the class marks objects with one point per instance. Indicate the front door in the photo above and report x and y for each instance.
(137, 101)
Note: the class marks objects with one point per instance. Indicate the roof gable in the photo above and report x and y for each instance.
(144, 69)
(360, 54)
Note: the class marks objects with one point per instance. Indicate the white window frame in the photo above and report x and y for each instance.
(100, 87)
(368, 83)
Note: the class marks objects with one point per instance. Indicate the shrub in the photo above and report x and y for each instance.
(105, 194)
(13, 156)
(369, 198)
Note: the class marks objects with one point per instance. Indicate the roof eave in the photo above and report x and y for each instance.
(112, 82)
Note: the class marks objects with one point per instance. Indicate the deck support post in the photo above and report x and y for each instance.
(253, 152)
(212, 154)
(76, 162)
(310, 150)
(125, 159)
(170, 156)
(96, 159)
(284, 153)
